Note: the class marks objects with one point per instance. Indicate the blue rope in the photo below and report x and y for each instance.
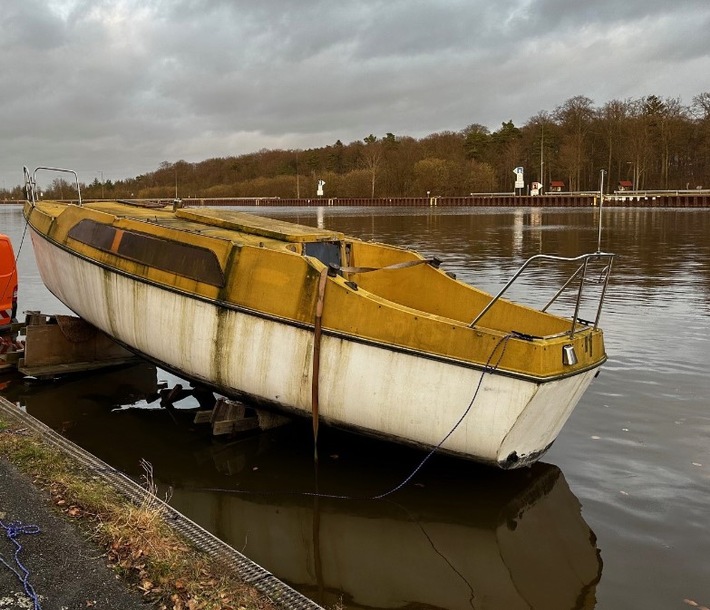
(12, 531)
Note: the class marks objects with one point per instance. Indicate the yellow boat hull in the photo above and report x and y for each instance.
(401, 365)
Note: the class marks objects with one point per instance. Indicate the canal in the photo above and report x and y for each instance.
(614, 515)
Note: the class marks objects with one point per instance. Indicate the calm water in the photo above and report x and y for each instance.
(615, 516)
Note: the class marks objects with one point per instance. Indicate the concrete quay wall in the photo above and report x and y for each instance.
(559, 200)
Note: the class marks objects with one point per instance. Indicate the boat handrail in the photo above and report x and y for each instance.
(585, 259)
(31, 182)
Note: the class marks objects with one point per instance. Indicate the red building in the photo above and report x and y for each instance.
(625, 185)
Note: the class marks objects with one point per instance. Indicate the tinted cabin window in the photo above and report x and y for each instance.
(186, 260)
(327, 252)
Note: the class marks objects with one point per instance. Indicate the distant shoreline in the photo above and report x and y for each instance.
(661, 199)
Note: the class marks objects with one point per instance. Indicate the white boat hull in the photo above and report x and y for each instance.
(509, 421)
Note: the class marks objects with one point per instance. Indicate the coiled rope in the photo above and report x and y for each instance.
(12, 531)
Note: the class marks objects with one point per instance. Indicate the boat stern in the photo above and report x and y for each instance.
(539, 423)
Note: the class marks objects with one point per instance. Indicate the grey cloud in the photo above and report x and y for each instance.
(119, 86)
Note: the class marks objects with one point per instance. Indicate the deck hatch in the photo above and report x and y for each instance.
(258, 225)
(186, 260)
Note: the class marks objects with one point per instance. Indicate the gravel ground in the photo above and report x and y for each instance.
(66, 570)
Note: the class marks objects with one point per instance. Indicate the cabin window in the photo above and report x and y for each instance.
(189, 261)
(327, 252)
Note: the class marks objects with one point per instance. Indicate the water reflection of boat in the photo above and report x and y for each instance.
(459, 536)
(361, 335)
(488, 544)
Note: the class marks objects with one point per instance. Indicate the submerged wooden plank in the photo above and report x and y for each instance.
(225, 409)
(229, 426)
(54, 370)
(229, 417)
(203, 417)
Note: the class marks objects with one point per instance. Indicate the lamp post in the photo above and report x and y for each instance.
(601, 205)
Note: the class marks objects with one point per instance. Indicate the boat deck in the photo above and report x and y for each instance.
(374, 293)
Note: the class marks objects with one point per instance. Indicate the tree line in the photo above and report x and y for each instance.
(652, 142)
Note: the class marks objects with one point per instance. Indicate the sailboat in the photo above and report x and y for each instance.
(356, 334)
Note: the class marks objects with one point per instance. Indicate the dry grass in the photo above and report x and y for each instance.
(135, 538)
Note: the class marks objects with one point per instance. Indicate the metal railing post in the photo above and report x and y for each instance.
(55, 169)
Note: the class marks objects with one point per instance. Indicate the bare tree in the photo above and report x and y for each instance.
(575, 117)
(610, 120)
(372, 157)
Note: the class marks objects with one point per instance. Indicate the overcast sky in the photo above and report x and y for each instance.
(113, 88)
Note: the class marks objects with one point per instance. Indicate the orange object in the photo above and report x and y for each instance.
(8, 282)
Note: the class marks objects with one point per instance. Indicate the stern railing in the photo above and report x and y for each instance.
(31, 182)
(581, 272)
